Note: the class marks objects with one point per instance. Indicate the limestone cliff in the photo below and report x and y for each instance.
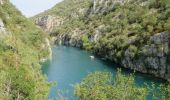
(119, 30)
(2, 28)
(49, 22)
(153, 58)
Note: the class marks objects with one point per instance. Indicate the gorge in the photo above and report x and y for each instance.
(118, 30)
(86, 50)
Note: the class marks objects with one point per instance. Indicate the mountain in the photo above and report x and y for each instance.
(22, 46)
(133, 33)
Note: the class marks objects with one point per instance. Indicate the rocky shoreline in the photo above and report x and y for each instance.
(153, 59)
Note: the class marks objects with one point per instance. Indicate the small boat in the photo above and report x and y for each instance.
(92, 57)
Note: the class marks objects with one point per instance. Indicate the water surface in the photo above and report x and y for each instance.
(70, 65)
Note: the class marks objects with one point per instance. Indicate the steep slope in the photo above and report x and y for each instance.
(22, 45)
(133, 33)
(62, 12)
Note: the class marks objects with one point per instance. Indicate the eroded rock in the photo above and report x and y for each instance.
(154, 57)
(2, 27)
(47, 23)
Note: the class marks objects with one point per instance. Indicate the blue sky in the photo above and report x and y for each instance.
(32, 7)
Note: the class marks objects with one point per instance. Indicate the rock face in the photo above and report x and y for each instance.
(99, 8)
(154, 58)
(2, 27)
(3, 31)
(48, 23)
(73, 39)
(102, 6)
(1, 2)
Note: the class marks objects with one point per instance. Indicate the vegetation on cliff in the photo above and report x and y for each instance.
(134, 33)
(133, 20)
(66, 8)
(21, 48)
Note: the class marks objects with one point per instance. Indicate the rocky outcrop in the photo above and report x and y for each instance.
(67, 40)
(153, 58)
(48, 23)
(3, 30)
(73, 39)
(1, 2)
(2, 27)
(98, 6)
(102, 6)
(46, 46)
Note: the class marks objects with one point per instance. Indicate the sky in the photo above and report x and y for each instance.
(30, 8)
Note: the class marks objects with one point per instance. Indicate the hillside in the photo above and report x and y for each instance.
(22, 46)
(133, 33)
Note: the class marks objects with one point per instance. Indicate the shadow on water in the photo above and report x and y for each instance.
(70, 65)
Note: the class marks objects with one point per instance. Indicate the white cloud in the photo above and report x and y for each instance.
(32, 7)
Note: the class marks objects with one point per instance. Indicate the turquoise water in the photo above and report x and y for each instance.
(70, 65)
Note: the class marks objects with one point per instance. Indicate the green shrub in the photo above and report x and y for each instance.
(102, 86)
(20, 53)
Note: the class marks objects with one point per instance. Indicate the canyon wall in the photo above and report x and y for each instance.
(150, 56)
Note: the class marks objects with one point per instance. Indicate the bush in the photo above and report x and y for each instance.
(20, 53)
(102, 86)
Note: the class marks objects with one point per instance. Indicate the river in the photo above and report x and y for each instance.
(70, 65)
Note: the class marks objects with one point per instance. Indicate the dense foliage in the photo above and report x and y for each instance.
(126, 26)
(130, 26)
(67, 8)
(102, 86)
(21, 48)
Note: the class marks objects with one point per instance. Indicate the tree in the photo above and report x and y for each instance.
(102, 86)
